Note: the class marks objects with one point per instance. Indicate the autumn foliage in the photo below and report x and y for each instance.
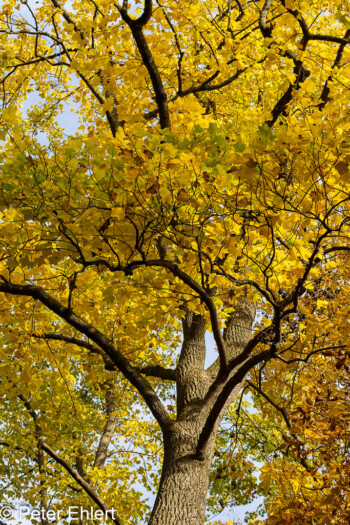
(206, 187)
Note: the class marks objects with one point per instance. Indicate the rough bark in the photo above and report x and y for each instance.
(184, 483)
(107, 434)
(191, 379)
(238, 330)
(185, 480)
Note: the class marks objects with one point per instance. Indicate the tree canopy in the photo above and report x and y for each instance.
(205, 189)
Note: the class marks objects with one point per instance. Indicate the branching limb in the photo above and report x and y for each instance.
(85, 486)
(146, 15)
(129, 371)
(264, 28)
(306, 32)
(221, 400)
(206, 85)
(158, 371)
(148, 61)
(107, 434)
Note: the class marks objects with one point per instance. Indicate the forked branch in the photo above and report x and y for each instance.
(130, 372)
(109, 513)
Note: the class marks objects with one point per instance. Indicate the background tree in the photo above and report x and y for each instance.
(208, 181)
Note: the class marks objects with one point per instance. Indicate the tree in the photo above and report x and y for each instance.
(305, 424)
(205, 189)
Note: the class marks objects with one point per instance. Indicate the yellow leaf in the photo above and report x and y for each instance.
(118, 213)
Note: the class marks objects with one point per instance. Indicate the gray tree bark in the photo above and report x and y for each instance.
(184, 483)
(185, 478)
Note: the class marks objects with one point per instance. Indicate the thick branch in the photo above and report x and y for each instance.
(337, 249)
(301, 74)
(330, 38)
(108, 431)
(146, 15)
(222, 398)
(129, 371)
(191, 380)
(264, 28)
(309, 36)
(299, 18)
(158, 371)
(238, 329)
(148, 61)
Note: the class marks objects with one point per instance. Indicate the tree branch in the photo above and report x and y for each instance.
(222, 398)
(109, 365)
(175, 270)
(282, 411)
(129, 371)
(146, 15)
(87, 488)
(108, 430)
(266, 31)
(208, 301)
(148, 61)
(301, 74)
(326, 90)
(158, 371)
(272, 403)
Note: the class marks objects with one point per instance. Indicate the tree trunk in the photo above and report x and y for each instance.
(184, 483)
